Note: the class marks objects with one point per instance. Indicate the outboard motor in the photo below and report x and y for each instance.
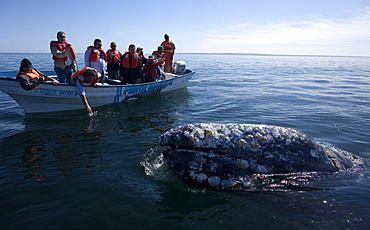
(179, 68)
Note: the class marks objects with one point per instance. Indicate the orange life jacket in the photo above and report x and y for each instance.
(61, 47)
(94, 54)
(34, 75)
(130, 61)
(159, 56)
(151, 70)
(79, 76)
(116, 56)
(167, 47)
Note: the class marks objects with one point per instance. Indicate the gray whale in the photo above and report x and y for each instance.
(221, 155)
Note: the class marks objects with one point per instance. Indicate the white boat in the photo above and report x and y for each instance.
(50, 98)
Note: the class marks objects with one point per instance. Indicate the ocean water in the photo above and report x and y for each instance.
(66, 170)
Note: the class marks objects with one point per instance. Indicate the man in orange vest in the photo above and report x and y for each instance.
(152, 72)
(130, 66)
(64, 58)
(114, 58)
(29, 78)
(96, 57)
(159, 56)
(169, 51)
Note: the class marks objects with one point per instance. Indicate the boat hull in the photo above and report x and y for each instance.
(49, 98)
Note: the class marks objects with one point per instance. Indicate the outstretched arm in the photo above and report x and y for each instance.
(82, 94)
(84, 101)
(159, 73)
(47, 78)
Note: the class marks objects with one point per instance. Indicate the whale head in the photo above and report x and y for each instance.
(220, 155)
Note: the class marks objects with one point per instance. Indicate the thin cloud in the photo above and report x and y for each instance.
(312, 30)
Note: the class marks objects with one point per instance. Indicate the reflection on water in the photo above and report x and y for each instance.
(48, 149)
(194, 204)
(69, 143)
(235, 209)
(178, 201)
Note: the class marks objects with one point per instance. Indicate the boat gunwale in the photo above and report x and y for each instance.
(109, 85)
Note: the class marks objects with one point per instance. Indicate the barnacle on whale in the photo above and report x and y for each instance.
(243, 150)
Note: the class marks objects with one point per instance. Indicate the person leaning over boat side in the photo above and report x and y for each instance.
(159, 56)
(152, 72)
(130, 68)
(95, 57)
(169, 50)
(85, 78)
(29, 78)
(64, 58)
(114, 58)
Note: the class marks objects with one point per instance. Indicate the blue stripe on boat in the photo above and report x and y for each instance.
(118, 94)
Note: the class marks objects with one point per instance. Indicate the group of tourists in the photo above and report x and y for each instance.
(131, 67)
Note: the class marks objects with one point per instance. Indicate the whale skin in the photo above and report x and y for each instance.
(222, 155)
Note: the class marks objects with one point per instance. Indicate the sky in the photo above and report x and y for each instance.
(291, 27)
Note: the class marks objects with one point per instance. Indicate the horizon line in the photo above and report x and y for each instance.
(246, 54)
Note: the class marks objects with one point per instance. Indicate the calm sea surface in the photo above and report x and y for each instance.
(66, 170)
